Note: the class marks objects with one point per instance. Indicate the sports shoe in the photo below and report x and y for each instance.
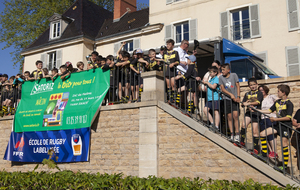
(237, 138)
(231, 138)
(272, 155)
(254, 152)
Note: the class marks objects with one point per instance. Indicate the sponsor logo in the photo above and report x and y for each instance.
(76, 145)
(40, 88)
(19, 148)
(285, 133)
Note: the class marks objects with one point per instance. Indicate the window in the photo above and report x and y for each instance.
(240, 24)
(181, 32)
(293, 15)
(171, 1)
(128, 46)
(55, 30)
(243, 68)
(52, 60)
(293, 60)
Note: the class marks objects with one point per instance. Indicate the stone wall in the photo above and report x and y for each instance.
(114, 145)
(185, 153)
(294, 96)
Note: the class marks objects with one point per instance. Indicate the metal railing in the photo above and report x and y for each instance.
(10, 98)
(183, 103)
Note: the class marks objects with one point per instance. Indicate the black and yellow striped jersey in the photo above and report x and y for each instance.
(171, 56)
(254, 96)
(283, 108)
(38, 73)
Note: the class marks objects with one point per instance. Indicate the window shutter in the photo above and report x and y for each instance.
(293, 62)
(136, 43)
(44, 60)
(193, 29)
(116, 48)
(254, 21)
(264, 56)
(169, 1)
(225, 25)
(293, 15)
(168, 32)
(58, 58)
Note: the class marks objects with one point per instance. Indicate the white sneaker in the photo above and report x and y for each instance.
(231, 138)
(237, 138)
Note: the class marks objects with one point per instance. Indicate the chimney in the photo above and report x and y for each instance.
(123, 6)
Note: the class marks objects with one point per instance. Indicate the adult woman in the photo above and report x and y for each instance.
(265, 121)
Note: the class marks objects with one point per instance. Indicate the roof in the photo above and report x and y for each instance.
(87, 21)
(127, 22)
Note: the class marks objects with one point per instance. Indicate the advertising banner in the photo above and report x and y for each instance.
(69, 145)
(61, 104)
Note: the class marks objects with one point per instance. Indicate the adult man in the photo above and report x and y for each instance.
(182, 52)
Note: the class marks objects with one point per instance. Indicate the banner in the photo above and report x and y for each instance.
(69, 145)
(62, 104)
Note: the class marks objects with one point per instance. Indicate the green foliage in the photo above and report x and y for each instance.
(70, 180)
(49, 162)
(24, 20)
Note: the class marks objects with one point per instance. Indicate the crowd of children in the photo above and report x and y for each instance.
(126, 85)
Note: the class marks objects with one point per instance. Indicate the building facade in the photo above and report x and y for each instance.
(269, 28)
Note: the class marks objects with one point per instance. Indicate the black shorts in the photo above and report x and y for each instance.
(285, 131)
(135, 79)
(180, 82)
(254, 117)
(212, 105)
(170, 72)
(230, 106)
(190, 85)
(123, 78)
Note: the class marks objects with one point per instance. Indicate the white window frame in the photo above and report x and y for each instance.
(174, 29)
(175, 1)
(52, 30)
(240, 22)
(54, 61)
(182, 34)
(127, 44)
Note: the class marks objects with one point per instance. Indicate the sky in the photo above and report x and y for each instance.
(6, 64)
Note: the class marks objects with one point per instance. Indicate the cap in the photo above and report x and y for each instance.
(139, 51)
(163, 47)
(68, 63)
(192, 58)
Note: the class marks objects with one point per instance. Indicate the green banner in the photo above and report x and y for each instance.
(63, 104)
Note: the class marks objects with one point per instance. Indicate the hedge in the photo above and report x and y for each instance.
(70, 180)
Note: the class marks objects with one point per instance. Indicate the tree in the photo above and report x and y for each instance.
(24, 20)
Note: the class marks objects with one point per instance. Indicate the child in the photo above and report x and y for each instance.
(171, 58)
(213, 97)
(284, 110)
(70, 67)
(122, 69)
(80, 66)
(254, 99)
(154, 65)
(189, 84)
(38, 73)
(92, 60)
(26, 75)
(137, 66)
(46, 72)
(17, 86)
(8, 96)
(229, 83)
(64, 72)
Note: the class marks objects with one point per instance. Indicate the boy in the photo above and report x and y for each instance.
(123, 71)
(54, 73)
(213, 97)
(252, 98)
(284, 110)
(92, 60)
(229, 84)
(46, 72)
(154, 65)
(80, 66)
(7, 96)
(38, 73)
(137, 66)
(26, 75)
(189, 84)
(64, 72)
(171, 58)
